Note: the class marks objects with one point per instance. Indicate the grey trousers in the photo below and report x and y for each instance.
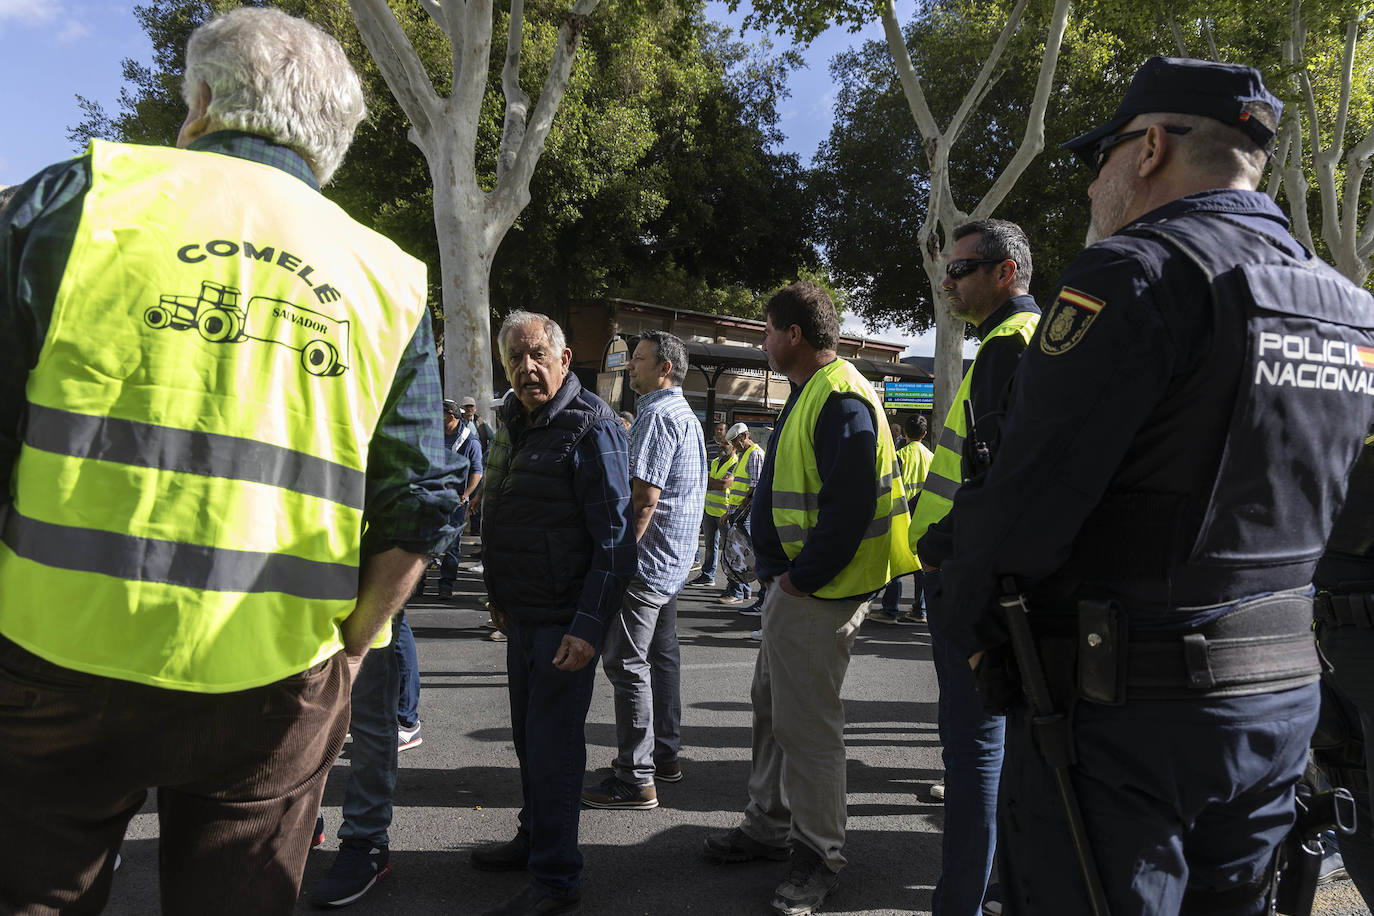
(797, 781)
(642, 662)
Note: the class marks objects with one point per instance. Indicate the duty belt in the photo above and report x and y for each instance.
(1260, 646)
(1356, 609)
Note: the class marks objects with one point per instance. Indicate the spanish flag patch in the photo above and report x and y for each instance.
(1068, 321)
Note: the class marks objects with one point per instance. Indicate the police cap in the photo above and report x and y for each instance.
(1181, 85)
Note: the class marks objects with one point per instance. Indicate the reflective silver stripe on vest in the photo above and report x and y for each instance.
(879, 527)
(208, 454)
(941, 485)
(951, 440)
(211, 569)
(799, 502)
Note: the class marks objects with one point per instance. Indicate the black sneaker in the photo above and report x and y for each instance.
(357, 867)
(703, 579)
(738, 846)
(806, 886)
(611, 792)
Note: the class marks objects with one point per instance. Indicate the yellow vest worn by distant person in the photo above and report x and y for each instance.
(188, 499)
(915, 459)
(884, 552)
(739, 487)
(716, 500)
(946, 473)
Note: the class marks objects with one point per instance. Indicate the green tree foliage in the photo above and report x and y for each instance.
(660, 181)
(872, 174)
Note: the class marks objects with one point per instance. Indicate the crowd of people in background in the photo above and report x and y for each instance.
(208, 539)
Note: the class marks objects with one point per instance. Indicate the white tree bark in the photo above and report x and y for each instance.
(471, 222)
(942, 214)
(1351, 245)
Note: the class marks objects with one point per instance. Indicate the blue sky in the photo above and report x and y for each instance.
(51, 50)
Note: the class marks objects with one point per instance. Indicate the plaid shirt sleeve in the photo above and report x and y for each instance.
(653, 444)
(412, 479)
(601, 482)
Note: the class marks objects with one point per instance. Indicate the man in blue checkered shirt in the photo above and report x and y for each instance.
(668, 489)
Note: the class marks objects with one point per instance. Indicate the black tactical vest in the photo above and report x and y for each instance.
(1295, 341)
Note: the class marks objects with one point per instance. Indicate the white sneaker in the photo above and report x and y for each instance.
(476, 568)
(757, 634)
(406, 738)
(937, 791)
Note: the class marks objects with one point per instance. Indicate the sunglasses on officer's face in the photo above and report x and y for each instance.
(1103, 150)
(961, 268)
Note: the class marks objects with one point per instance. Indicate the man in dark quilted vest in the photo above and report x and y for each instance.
(559, 549)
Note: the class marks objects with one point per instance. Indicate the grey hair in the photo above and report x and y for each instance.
(1001, 239)
(519, 318)
(280, 77)
(670, 349)
(1218, 150)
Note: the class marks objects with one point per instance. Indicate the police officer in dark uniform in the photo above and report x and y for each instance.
(1344, 609)
(1177, 447)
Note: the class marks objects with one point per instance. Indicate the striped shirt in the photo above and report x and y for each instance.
(668, 451)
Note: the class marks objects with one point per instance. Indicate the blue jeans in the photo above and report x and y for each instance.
(408, 671)
(448, 567)
(643, 663)
(713, 527)
(892, 595)
(548, 711)
(1176, 795)
(972, 743)
(1349, 650)
(372, 775)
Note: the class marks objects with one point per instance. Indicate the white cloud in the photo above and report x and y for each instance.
(27, 12)
(72, 30)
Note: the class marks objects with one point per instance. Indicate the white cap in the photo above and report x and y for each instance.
(736, 430)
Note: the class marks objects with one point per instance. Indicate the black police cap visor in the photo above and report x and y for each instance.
(1182, 85)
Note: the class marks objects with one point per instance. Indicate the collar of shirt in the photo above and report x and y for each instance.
(1013, 305)
(648, 400)
(256, 149)
(1220, 200)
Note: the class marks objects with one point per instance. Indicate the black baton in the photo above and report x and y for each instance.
(1054, 739)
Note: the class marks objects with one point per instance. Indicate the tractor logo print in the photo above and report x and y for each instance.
(321, 341)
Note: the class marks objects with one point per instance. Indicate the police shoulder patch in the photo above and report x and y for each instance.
(1068, 321)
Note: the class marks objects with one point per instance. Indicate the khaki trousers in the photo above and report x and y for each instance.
(797, 781)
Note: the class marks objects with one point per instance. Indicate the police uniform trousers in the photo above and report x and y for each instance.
(797, 778)
(1181, 799)
(1350, 652)
(239, 778)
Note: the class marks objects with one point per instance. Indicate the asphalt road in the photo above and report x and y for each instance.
(460, 788)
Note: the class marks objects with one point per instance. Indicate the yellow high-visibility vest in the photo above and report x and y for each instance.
(739, 487)
(946, 470)
(915, 459)
(188, 498)
(883, 553)
(716, 500)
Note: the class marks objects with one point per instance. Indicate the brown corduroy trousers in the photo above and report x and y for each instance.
(239, 778)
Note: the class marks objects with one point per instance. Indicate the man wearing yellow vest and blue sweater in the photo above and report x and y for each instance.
(220, 435)
(829, 521)
(987, 280)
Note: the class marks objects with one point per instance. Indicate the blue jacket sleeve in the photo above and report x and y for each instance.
(601, 483)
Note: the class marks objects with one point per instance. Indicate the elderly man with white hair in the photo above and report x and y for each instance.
(220, 444)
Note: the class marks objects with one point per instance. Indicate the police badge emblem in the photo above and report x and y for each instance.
(1070, 317)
